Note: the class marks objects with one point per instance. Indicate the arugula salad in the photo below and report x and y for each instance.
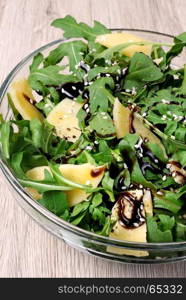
(98, 133)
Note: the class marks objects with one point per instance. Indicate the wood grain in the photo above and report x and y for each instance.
(26, 250)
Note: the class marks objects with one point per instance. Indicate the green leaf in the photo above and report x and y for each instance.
(16, 161)
(73, 185)
(183, 86)
(49, 76)
(107, 227)
(156, 235)
(180, 156)
(55, 201)
(169, 200)
(5, 138)
(104, 155)
(141, 71)
(176, 49)
(12, 106)
(37, 60)
(42, 186)
(108, 184)
(42, 134)
(158, 152)
(79, 208)
(166, 222)
(129, 155)
(73, 29)
(103, 125)
(73, 50)
(100, 95)
(180, 232)
(114, 70)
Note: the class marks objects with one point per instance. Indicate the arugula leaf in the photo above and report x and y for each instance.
(141, 71)
(38, 59)
(5, 138)
(114, 70)
(100, 95)
(176, 49)
(183, 86)
(49, 76)
(156, 233)
(42, 186)
(72, 29)
(158, 152)
(180, 232)
(103, 125)
(74, 50)
(166, 222)
(108, 184)
(41, 134)
(16, 161)
(79, 208)
(104, 155)
(55, 201)
(169, 200)
(62, 180)
(180, 156)
(129, 156)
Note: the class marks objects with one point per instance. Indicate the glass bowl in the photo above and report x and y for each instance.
(76, 237)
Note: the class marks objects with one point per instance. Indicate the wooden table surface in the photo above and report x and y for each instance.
(27, 250)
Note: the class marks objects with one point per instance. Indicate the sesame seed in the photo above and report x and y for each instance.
(96, 142)
(140, 186)
(105, 117)
(159, 193)
(173, 137)
(87, 182)
(156, 161)
(144, 114)
(164, 117)
(103, 113)
(165, 101)
(47, 105)
(175, 76)
(74, 88)
(86, 106)
(123, 187)
(125, 166)
(88, 148)
(133, 91)
(127, 91)
(164, 177)
(174, 174)
(87, 110)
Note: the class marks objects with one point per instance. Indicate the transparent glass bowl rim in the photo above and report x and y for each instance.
(42, 210)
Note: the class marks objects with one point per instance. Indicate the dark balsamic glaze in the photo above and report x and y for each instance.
(96, 172)
(137, 218)
(155, 166)
(175, 163)
(70, 90)
(120, 183)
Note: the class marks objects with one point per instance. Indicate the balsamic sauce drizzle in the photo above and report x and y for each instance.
(137, 219)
